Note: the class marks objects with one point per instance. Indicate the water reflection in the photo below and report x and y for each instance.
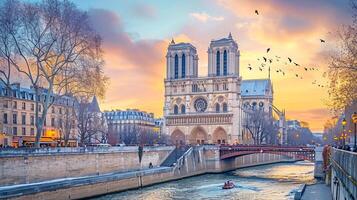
(277, 181)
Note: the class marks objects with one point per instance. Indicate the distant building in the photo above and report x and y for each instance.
(128, 126)
(293, 124)
(17, 124)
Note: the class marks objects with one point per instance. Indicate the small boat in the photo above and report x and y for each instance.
(228, 185)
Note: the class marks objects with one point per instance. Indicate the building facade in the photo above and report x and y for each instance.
(202, 110)
(129, 126)
(17, 124)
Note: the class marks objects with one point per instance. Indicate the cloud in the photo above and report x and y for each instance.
(204, 17)
(144, 11)
(136, 67)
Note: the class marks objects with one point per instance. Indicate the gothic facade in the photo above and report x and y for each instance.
(203, 110)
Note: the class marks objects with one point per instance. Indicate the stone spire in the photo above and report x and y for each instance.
(230, 35)
(172, 41)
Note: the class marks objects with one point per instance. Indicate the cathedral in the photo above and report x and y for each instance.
(209, 109)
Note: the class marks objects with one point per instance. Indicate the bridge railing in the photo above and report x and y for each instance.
(299, 152)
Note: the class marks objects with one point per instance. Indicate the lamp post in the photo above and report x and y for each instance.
(344, 122)
(354, 120)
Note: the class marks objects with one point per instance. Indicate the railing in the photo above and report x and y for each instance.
(181, 161)
(344, 164)
(75, 150)
(298, 152)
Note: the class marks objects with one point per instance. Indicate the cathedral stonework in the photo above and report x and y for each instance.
(203, 110)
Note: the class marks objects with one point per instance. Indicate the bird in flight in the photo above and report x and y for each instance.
(250, 68)
(268, 49)
(305, 69)
(260, 69)
(270, 60)
(296, 64)
(322, 41)
(290, 60)
(265, 59)
(296, 75)
(256, 12)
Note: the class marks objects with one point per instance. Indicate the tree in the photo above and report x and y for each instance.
(343, 66)
(91, 124)
(261, 127)
(54, 47)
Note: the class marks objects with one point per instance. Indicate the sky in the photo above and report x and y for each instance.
(136, 35)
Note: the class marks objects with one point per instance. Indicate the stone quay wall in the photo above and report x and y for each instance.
(343, 175)
(196, 161)
(19, 166)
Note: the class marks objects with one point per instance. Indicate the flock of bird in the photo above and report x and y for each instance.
(267, 61)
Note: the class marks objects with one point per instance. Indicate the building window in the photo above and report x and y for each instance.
(218, 64)
(52, 122)
(60, 123)
(6, 104)
(217, 107)
(23, 119)
(225, 86)
(32, 120)
(23, 131)
(5, 118)
(183, 109)
(32, 107)
(225, 107)
(53, 109)
(176, 66)
(254, 105)
(225, 63)
(14, 130)
(14, 118)
(175, 109)
(14, 105)
(60, 111)
(23, 106)
(183, 64)
(32, 133)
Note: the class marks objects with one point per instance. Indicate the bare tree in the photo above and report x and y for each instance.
(343, 66)
(91, 124)
(53, 42)
(260, 125)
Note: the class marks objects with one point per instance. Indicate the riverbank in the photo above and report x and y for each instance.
(315, 191)
(196, 161)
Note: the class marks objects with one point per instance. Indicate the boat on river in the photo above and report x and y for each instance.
(228, 185)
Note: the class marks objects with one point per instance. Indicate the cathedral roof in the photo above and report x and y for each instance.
(256, 87)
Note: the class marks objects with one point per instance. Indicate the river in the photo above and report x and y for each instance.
(275, 181)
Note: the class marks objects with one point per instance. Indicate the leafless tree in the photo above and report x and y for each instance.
(90, 124)
(53, 42)
(343, 66)
(260, 125)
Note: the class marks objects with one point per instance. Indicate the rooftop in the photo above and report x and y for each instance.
(256, 87)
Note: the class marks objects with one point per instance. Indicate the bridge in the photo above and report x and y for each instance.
(296, 152)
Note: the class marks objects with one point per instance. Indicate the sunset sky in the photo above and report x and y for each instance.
(136, 35)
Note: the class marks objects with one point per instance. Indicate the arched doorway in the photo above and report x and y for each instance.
(178, 137)
(198, 136)
(219, 136)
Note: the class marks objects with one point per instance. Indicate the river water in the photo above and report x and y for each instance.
(275, 181)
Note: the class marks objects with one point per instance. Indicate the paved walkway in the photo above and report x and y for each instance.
(317, 191)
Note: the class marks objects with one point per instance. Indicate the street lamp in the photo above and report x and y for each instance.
(344, 122)
(354, 120)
